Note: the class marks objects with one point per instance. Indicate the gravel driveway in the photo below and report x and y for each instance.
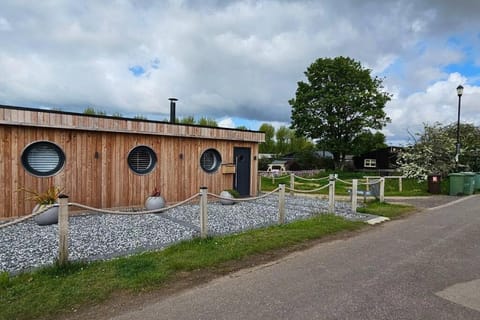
(100, 236)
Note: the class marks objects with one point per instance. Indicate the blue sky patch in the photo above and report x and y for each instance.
(454, 42)
(137, 71)
(468, 69)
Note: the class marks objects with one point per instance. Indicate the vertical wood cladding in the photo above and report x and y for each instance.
(96, 172)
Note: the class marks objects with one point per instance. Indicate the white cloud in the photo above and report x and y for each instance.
(226, 123)
(438, 103)
(231, 59)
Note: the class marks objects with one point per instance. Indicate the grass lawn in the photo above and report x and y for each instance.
(56, 290)
(389, 210)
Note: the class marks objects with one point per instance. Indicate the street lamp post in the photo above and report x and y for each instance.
(457, 154)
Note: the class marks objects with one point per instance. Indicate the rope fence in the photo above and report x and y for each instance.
(308, 191)
(36, 213)
(345, 182)
(273, 177)
(64, 204)
(155, 211)
(310, 179)
(63, 214)
(216, 196)
(374, 188)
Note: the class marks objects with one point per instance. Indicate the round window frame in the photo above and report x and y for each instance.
(153, 160)
(43, 174)
(218, 160)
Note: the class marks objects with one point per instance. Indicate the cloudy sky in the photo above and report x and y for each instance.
(237, 61)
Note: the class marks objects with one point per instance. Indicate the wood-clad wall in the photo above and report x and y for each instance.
(107, 181)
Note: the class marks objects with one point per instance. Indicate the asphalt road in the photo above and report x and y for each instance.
(426, 266)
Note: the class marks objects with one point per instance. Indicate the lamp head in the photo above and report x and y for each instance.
(460, 90)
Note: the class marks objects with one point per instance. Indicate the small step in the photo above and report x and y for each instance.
(377, 220)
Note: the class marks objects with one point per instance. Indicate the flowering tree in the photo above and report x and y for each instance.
(432, 152)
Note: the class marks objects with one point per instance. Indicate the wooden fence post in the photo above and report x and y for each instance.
(292, 183)
(63, 229)
(331, 194)
(281, 204)
(203, 212)
(382, 189)
(354, 194)
(367, 186)
(400, 184)
(259, 190)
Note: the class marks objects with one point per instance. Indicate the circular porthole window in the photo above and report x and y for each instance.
(210, 160)
(142, 159)
(43, 159)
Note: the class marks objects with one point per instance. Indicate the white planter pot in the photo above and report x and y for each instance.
(47, 217)
(154, 203)
(226, 194)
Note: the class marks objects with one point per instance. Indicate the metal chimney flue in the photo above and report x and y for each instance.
(172, 109)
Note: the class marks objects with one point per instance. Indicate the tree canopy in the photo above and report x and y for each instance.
(93, 111)
(368, 141)
(337, 103)
(433, 151)
(203, 121)
(283, 140)
(269, 145)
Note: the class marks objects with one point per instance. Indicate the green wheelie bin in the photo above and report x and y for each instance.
(477, 181)
(456, 184)
(468, 183)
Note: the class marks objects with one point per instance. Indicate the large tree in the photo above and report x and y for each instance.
(282, 141)
(368, 141)
(339, 101)
(269, 145)
(283, 136)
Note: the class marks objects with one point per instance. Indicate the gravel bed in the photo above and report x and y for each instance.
(26, 245)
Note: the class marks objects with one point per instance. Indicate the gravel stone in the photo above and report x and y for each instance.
(26, 245)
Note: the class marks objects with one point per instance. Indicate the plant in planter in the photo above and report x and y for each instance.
(229, 194)
(44, 200)
(155, 200)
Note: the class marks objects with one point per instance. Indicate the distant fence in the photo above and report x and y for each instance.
(203, 195)
(399, 178)
(302, 173)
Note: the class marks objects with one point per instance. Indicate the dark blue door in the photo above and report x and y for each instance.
(241, 181)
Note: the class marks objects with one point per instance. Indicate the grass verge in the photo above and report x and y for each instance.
(389, 210)
(59, 289)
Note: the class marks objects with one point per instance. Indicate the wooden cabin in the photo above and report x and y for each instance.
(108, 162)
(381, 160)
